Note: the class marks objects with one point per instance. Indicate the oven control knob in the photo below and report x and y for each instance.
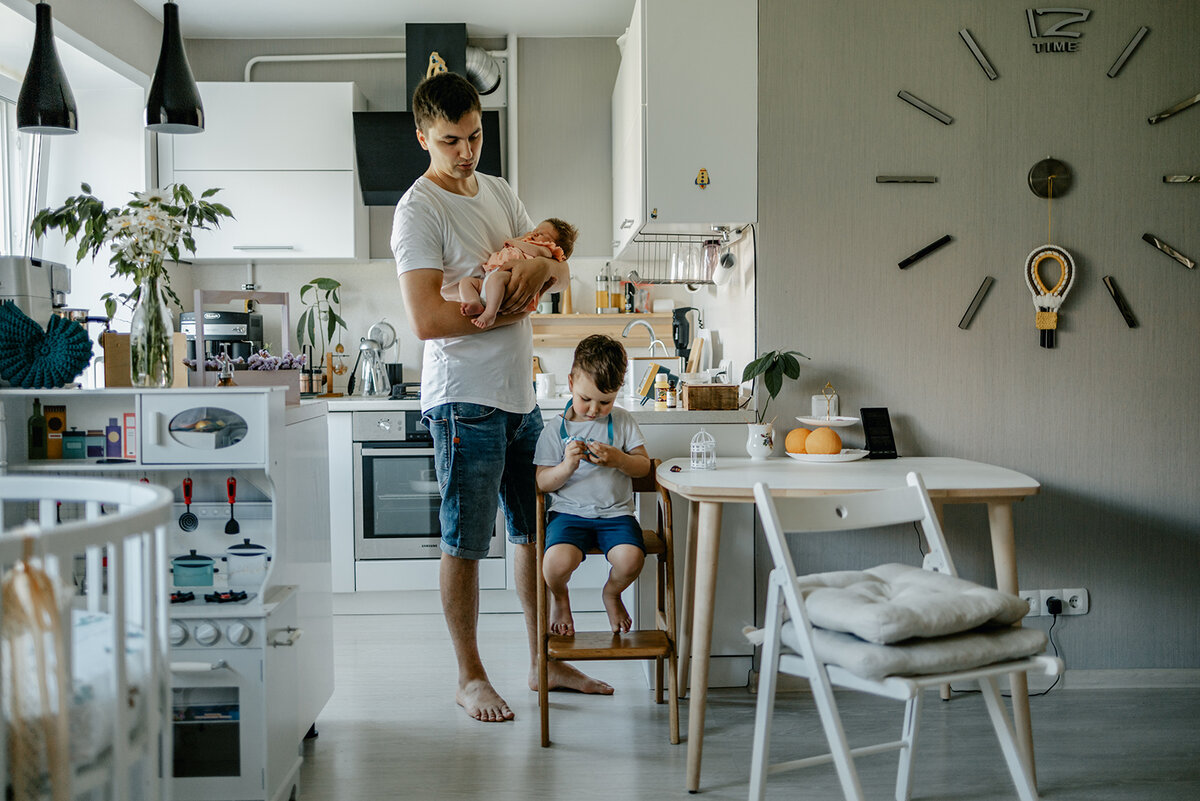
(384, 423)
(177, 634)
(207, 633)
(238, 633)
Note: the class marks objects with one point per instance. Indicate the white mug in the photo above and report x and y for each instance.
(544, 383)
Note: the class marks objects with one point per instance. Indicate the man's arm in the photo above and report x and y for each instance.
(432, 316)
(531, 277)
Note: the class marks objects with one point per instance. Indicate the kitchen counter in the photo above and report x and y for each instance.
(642, 414)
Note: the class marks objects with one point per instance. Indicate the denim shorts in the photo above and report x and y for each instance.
(586, 533)
(483, 457)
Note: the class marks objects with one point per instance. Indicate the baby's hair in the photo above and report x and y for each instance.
(446, 96)
(602, 359)
(567, 234)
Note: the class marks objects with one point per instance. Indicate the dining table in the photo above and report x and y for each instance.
(732, 480)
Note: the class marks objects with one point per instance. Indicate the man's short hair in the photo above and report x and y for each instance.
(567, 234)
(446, 96)
(603, 360)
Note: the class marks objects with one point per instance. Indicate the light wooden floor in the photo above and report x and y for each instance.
(392, 731)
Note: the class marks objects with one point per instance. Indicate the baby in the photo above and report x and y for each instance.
(482, 296)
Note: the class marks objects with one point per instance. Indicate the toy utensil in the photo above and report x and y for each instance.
(231, 526)
(187, 520)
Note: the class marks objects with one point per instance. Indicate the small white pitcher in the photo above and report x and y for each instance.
(760, 440)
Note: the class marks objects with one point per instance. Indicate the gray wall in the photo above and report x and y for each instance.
(1106, 421)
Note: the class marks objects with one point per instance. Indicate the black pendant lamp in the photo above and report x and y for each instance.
(46, 105)
(173, 106)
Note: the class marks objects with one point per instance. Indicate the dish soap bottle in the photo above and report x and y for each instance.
(225, 376)
(37, 432)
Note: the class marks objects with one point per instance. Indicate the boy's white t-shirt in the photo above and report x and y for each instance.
(438, 230)
(592, 490)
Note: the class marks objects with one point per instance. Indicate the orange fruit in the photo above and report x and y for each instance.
(795, 440)
(823, 440)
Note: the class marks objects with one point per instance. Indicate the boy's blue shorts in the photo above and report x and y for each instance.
(586, 533)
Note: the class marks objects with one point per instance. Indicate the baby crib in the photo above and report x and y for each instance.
(102, 544)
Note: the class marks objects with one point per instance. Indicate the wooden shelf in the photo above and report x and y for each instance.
(565, 330)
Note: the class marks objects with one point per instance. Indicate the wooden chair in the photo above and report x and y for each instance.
(793, 644)
(658, 643)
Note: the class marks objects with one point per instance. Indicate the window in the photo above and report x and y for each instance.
(20, 159)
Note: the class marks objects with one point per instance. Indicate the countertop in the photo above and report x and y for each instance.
(642, 414)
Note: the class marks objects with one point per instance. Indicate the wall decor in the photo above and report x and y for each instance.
(1047, 301)
(1170, 251)
(925, 251)
(1119, 64)
(980, 294)
(1119, 299)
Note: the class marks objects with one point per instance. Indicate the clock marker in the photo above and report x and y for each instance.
(916, 102)
(1181, 179)
(906, 179)
(1119, 299)
(980, 58)
(1170, 251)
(1173, 110)
(969, 315)
(1128, 51)
(925, 251)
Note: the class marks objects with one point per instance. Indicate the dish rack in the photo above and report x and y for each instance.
(680, 258)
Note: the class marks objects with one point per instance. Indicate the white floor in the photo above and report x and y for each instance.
(392, 731)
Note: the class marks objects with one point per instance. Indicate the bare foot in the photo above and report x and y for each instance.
(485, 320)
(566, 677)
(618, 617)
(482, 702)
(561, 621)
(470, 309)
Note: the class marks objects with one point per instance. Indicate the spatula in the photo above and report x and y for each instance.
(231, 526)
(187, 520)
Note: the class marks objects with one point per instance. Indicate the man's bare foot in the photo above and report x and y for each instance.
(470, 309)
(618, 617)
(482, 702)
(567, 677)
(561, 621)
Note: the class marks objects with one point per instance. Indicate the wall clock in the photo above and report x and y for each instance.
(1054, 33)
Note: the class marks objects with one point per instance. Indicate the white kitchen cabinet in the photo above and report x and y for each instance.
(283, 156)
(685, 100)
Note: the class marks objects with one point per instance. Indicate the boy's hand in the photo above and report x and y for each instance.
(603, 455)
(574, 452)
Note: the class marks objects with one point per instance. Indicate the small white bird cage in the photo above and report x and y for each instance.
(704, 451)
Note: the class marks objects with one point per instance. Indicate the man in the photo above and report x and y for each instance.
(476, 388)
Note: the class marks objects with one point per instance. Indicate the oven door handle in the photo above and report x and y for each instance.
(400, 451)
(290, 635)
(198, 667)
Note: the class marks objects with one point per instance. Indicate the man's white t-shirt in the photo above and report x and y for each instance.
(438, 230)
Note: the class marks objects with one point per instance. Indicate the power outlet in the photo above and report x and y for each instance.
(1075, 601)
(1047, 595)
(1034, 599)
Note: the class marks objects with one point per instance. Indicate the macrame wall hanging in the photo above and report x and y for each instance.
(1045, 179)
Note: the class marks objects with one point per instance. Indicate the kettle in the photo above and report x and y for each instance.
(370, 379)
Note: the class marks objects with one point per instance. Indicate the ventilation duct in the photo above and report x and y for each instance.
(482, 70)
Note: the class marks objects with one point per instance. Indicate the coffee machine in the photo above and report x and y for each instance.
(237, 333)
(37, 286)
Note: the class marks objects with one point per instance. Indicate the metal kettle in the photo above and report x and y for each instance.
(370, 375)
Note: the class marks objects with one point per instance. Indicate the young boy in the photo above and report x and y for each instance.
(585, 460)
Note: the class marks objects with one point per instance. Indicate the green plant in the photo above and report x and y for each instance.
(320, 316)
(153, 227)
(773, 367)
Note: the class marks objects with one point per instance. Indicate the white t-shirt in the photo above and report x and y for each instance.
(438, 230)
(592, 490)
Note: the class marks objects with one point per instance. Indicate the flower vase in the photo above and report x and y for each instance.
(150, 337)
(760, 440)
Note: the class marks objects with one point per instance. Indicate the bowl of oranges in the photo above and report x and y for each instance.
(821, 444)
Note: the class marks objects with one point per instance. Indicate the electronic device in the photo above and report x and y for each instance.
(238, 333)
(877, 426)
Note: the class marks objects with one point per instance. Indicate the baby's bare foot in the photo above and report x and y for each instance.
(482, 702)
(618, 617)
(561, 621)
(470, 309)
(484, 320)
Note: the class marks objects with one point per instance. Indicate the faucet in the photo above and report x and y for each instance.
(649, 329)
(660, 343)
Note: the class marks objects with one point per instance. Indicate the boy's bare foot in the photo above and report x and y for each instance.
(470, 309)
(561, 621)
(482, 702)
(567, 677)
(618, 617)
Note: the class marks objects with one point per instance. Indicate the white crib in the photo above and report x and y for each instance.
(115, 564)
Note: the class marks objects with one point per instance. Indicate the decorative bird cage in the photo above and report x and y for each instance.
(704, 451)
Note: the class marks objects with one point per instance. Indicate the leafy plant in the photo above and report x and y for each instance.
(773, 367)
(153, 227)
(320, 316)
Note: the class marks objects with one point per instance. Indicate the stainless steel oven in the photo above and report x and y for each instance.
(396, 489)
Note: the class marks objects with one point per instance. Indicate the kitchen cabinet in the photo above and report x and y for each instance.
(283, 156)
(685, 111)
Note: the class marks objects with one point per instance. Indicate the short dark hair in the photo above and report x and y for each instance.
(567, 234)
(446, 96)
(602, 359)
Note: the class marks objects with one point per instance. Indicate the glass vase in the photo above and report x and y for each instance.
(150, 333)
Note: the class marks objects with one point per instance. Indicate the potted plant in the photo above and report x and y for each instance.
(151, 229)
(773, 367)
(320, 321)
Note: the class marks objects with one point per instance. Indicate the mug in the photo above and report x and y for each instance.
(544, 384)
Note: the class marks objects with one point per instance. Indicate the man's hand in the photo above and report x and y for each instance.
(530, 277)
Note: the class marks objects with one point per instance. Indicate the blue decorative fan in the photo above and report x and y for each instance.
(33, 358)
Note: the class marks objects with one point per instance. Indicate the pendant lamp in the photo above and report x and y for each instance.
(173, 106)
(45, 104)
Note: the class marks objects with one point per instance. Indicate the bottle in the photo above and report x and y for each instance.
(616, 300)
(37, 432)
(601, 293)
(112, 439)
(661, 388)
(225, 376)
(672, 396)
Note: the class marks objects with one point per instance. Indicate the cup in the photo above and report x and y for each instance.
(395, 373)
(544, 384)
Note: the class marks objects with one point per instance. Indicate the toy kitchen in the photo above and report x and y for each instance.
(250, 619)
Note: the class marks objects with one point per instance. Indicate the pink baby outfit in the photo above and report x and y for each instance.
(509, 252)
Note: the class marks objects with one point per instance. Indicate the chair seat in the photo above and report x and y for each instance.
(650, 538)
(585, 645)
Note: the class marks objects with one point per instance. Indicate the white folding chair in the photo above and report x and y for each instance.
(793, 645)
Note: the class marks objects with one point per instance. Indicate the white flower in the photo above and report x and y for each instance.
(154, 196)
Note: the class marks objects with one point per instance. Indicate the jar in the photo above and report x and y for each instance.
(672, 396)
(602, 296)
(661, 388)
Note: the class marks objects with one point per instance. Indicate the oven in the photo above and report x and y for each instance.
(396, 489)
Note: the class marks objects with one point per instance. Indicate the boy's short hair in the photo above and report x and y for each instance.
(603, 360)
(446, 96)
(567, 234)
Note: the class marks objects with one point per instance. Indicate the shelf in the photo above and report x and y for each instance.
(565, 330)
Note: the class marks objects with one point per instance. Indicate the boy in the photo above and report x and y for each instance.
(585, 460)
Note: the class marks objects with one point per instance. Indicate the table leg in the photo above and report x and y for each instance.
(1004, 555)
(707, 549)
(689, 582)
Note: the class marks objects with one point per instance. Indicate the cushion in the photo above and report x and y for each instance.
(894, 602)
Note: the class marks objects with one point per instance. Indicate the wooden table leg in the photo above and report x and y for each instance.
(1004, 555)
(689, 582)
(707, 550)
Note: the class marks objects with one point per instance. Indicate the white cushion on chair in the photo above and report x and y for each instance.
(891, 603)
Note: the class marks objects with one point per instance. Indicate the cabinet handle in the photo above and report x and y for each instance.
(155, 432)
(292, 634)
(626, 223)
(197, 667)
(264, 247)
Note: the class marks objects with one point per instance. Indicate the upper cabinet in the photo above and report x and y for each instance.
(685, 119)
(283, 156)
